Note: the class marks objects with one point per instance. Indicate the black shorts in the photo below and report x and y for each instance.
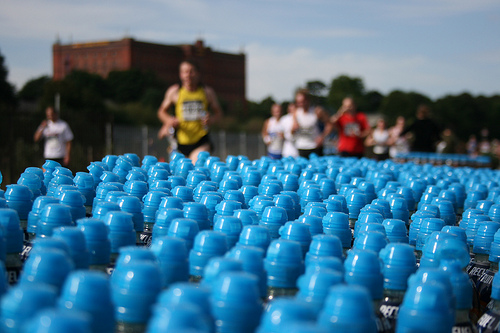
(188, 149)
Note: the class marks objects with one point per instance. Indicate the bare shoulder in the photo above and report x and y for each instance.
(172, 92)
(209, 91)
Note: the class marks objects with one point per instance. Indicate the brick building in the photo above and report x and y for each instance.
(224, 72)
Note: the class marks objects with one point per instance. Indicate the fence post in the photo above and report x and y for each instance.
(109, 138)
(243, 143)
(144, 140)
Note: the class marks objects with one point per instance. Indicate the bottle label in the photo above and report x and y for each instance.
(390, 311)
(26, 251)
(476, 270)
(146, 237)
(463, 328)
(489, 322)
(13, 274)
(484, 290)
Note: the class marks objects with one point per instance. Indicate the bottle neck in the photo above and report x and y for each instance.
(495, 305)
(494, 266)
(482, 258)
(394, 296)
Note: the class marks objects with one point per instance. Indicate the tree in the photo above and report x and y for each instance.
(32, 91)
(343, 86)
(318, 91)
(399, 103)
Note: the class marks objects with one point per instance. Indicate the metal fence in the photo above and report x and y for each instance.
(143, 141)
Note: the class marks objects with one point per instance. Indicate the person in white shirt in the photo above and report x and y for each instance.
(272, 133)
(286, 122)
(308, 120)
(57, 135)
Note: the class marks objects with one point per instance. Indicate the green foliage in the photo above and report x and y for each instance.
(262, 109)
(131, 85)
(343, 86)
(32, 91)
(400, 103)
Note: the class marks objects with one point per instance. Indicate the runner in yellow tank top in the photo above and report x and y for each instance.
(192, 119)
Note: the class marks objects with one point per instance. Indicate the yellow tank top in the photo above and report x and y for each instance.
(191, 107)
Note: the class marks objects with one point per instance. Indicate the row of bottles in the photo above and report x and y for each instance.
(312, 245)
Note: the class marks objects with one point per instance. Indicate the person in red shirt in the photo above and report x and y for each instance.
(352, 127)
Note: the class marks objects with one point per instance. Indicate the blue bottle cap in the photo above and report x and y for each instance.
(324, 246)
(273, 218)
(348, 309)
(283, 312)
(197, 212)
(149, 160)
(427, 227)
(75, 239)
(399, 209)
(484, 205)
(252, 261)
(363, 267)
(333, 205)
(367, 227)
(103, 207)
(399, 262)
(19, 198)
(313, 208)
(314, 286)
(110, 161)
(164, 218)
(495, 287)
(230, 226)
(207, 244)
(183, 192)
(494, 212)
(152, 202)
(227, 207)
(495, 248)
(14, 236)
(59, 321)
(314, 223)
(96, 238)
(336, 223)
(329, 262)
(408, 195)
(33, 182)
(251, 177)
(217, 266)
(21, 302)
(89, 291)
(460, 282)
(484, 237)
(426, 306)
(283, 263)
(183, 228)
(172, 256)
(134, 289)
(130, 254)
(396, 231)
(171, 202)
(255, 235)
(367, 216)
(457, 231)
(290, 182)
(298, 232)
(247, 216)
(50, 266)
(121, 229)
(75, 200)
(384, 206)
(137, 188)
(310, 194)
(355, 201)
(186, 293)
(132, 205)
(235, 302)
(182, 318)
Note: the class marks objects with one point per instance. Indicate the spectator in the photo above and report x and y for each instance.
(272, 133)
(471, 146)
(58, 137)
(379, 140)
(352, 127)
(307, 123)
(192, 101)
(286, 122)
(448, 143)
(484, 144)
(398, 143)
(426, 133)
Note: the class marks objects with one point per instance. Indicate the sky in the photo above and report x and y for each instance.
(434, 47)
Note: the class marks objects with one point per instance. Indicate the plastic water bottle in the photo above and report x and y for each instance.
(348, 309)
(337, 223)
(56, 320)
(490, 320)
(207, 244)
(186, 229)
(98, 244)
(172, 256)
(364, 268)
(216, 267)
(9, 220)
(285, 312)
(399, 263)
(482, 243)
(77, 247)
(22, 302)
(121, 233)
(134, 289)
(284, 264)
(89, 292)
